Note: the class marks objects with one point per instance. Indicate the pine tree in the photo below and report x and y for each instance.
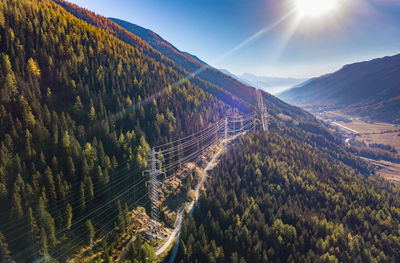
(43, 246)
(89, 183)
(85, 168)
(71, 168)
(33, 68)
(16, 205)
(68, 216)
(149, 254)
(2, 20)
(92, 114)
(66, 143)
(8, 81)
(99, 174)
(82, 195)
(78, 104)
(50, 183)
(121, 217)
(90, 232)
(33, 230)
(28, 144)
(46, 220)
(3, 194)
(28, 117)
(142, 152)
(4, 252)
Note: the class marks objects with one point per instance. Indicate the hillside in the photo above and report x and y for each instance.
(277, 198)
(368, 89)
(82, 103)
(79, 111)
(232, 93)
(129, 33)
(79, 108)
(190, 63)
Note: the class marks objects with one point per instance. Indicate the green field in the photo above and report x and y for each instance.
(370, 132)
(382, 133)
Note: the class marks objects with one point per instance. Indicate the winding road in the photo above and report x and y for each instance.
(178, 222)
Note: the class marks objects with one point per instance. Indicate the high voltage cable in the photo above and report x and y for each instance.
(72, 194)
(74, 208)
(57, 210)
(201, 147)
(212, 129)
(74, 184)
(239, 116)
(195, 143)
(103, 236)
(156, 147)
(174, 165)
(201, 139)
(104, 225)
(91, 213)
(86, 215)
(190, 143)
(242, 127)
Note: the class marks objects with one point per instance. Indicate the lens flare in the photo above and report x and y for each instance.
(313, 8)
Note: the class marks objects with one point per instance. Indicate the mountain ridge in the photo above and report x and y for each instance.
(368, 89)
(191, 63)
(220, 85)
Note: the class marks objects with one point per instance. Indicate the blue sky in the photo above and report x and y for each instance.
(356, 30)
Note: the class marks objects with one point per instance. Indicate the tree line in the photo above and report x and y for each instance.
(279, 198)
(74, 108)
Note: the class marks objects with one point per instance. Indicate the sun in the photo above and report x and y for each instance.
(314, 8)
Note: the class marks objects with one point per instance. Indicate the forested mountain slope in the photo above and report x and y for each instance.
(276, 198)
(74, 105)
(233, 93)
(134, 40)
(369, 89)
(189, 63)
(80, 108)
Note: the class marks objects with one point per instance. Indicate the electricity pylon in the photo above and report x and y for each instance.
(262, 111)
(226, 131)
(154, 188)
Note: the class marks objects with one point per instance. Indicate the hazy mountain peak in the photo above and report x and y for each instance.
(369, 89)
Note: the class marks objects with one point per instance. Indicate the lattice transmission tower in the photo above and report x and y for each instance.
(262, 111)
(155, 184)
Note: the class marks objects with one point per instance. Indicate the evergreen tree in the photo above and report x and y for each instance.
(142, 152)
(8, 81)
(43, 249)
(33, 231)
(68, 216)
(92, 114)
(82, 197)
(89, 184)
(46, 221)
(4, 252)
(90, 232)
(121, 217)
(50, 183)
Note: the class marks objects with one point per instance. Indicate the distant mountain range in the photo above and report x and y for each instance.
(368, 89)
(271, 85)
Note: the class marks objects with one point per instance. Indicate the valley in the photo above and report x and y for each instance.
(360, 132)
(116, 146)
